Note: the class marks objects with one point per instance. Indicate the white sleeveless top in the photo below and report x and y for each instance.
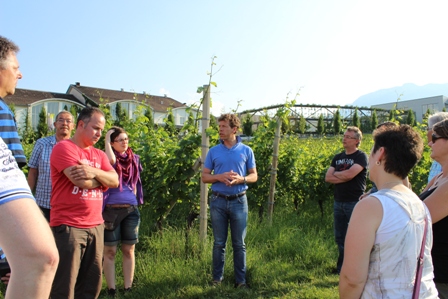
(393, 260)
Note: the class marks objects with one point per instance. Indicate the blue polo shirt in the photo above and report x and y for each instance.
(240, 158)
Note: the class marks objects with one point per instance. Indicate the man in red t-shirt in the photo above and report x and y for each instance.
(79, 174)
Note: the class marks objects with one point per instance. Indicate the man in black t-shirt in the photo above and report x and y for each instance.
(348, 173)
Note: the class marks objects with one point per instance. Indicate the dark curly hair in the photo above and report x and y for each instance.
(6, 47)
(403, 148)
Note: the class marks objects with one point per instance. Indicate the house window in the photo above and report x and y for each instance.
(129, 107)
(35, 110)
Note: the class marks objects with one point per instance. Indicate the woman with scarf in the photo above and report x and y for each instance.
(121, 214)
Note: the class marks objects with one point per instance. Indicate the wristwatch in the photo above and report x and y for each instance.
(245, 182)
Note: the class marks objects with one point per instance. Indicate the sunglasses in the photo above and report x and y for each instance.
(434, 138)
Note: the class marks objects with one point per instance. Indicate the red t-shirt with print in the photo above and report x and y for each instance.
(71, 205)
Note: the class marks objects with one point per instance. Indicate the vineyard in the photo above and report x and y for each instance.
(296, 249)
(171, 161)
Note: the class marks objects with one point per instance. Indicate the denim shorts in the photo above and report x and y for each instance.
(127, 231)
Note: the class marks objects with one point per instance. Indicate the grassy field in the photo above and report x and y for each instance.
(292, 258)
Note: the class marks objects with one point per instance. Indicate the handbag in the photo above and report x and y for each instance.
(418, 275)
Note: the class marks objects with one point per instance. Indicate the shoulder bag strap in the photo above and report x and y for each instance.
(418, 275)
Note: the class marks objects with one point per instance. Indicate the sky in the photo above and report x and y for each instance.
(266, 52)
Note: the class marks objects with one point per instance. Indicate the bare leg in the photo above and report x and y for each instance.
(29, 246)
(128, 264)
(109, 265)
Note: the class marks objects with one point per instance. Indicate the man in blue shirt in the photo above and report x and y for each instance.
(39, 178)
(233, 166)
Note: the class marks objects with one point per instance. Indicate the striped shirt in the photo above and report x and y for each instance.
(8, 132)
(40, 159)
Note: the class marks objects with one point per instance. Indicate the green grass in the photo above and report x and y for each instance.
(292, 258)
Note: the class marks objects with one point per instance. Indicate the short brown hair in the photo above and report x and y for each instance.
(384, 126)
(234, 121)
(403, 148)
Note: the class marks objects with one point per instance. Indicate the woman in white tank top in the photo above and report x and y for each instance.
(386, 229)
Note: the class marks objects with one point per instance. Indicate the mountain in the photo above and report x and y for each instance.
(408, 91)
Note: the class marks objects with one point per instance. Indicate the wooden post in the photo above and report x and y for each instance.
(274, 170)
(204, 150)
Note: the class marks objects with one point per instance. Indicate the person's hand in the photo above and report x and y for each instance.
(5, 279)
(82, 171)
(229, 178)
(234, 178)
(107, 137)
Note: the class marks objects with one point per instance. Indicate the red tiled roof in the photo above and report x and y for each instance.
(157, 103)
(24, 97)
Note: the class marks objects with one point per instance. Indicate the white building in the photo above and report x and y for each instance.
(419, 106)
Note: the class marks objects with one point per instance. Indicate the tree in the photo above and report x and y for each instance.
(301, 128)
(247, 125)
(444, 109)
(410, 119)
(42, 126)
(28, 134)
(74, 112)
(392, 113)
(286, 125)
(337, 123)
(190, 124)
(374, 120)
(121, 115)
(320, 125)
(356, 120)
(150, 117)
(170, 126)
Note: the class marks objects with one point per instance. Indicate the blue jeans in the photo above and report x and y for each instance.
(127, 231)
(342, 213)
(222, 213)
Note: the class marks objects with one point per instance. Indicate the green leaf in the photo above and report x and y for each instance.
(213, 83)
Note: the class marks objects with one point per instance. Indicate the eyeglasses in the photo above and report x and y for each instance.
(434, 138)
(121, 140)
(349, 137)
(62, 120)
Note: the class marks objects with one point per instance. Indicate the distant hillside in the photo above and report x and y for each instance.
(408, 91)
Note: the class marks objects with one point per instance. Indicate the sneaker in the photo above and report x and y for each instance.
(127, 291)
(111, 292)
